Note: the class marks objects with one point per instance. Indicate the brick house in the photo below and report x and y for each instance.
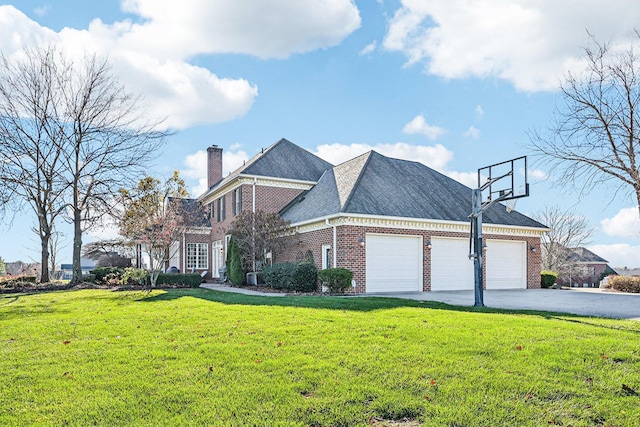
(398, 225)
(587, 268)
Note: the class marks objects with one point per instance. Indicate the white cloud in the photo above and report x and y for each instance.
(196, 167)
(479, 112)
(263, 28)
(435, 157)
(42, 10)
(625, 223)
(151, 57)
(369, 48)
(473, 132)
(537, 175)
(419, 125)
(528, 43)
(618, 254)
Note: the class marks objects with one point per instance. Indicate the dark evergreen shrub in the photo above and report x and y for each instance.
(234, 264)
(338, 280)
(192, 279)
(294, 277)
(548, 278)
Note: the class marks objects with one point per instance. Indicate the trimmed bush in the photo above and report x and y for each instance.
(101, 273)
(192, 279)
(625, 283)
(134, 276)
(234, 264)
(548, 278)
(295, 277)
(338, 280)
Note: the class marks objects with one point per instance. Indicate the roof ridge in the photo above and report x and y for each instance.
(357, 181)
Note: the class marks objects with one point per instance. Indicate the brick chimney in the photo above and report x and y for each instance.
(214, 165)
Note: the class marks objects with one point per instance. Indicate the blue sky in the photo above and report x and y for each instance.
(456, 85)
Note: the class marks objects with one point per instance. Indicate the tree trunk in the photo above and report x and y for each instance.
(44, 260)
(77, 246)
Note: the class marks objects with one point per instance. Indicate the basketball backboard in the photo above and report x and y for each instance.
(503, 181)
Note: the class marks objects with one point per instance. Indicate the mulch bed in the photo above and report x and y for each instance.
(28, 287)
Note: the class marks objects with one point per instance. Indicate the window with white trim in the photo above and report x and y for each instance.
(326, 256)
(197, 256)
(236, 201)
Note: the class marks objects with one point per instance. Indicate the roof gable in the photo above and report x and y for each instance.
(373, 184)
(282, 160)
(285, 159)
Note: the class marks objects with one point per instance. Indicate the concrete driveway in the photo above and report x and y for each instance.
(588, 302)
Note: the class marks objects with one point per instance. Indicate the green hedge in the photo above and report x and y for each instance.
(338, 280)
(192, 279)
(548, 278)
(295, 277)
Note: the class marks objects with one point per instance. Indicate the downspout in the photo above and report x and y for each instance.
(184, 252)
(253, 227)
(335, 241)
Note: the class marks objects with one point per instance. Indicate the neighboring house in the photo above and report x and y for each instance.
(586, 269)
(398, 225)
(66, 270)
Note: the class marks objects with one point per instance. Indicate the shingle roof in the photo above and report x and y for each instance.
(284, 159)
(581, 254)
(373, 184)
(194, 214)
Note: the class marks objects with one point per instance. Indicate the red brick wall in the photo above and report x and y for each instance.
(351, 254)
(268, 199)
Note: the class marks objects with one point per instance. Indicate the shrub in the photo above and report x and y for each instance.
(192, 279)
(101, 274)
(295, 277)
(548, 278)
(338, 280)
(135, 276)
(89, 278)
(235, 272)
(625, 283)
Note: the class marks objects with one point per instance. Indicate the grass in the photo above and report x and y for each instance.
(199, 357)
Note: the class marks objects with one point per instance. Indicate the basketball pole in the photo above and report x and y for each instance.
(476, 225)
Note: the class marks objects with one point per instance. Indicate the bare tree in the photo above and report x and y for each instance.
(568, 231)
(154, 217)
(31, 167)
(89, 135)
(595, 137)
(257, 234)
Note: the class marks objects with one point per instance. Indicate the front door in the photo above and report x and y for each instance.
(216, 257)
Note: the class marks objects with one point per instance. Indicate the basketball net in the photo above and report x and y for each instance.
(511, 205)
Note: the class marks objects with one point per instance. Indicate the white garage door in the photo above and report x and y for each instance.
(394, 263)
(506, 264)
(451, 268)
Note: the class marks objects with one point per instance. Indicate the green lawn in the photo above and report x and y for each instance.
(199, 357)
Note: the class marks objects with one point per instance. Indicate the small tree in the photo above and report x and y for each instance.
(151, 219)
(3, 266)
(234, 264)
(257, 234)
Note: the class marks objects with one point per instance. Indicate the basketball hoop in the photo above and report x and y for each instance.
(510, 205)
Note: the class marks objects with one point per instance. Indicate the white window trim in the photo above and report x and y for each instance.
(325, 249)
(198, 265)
